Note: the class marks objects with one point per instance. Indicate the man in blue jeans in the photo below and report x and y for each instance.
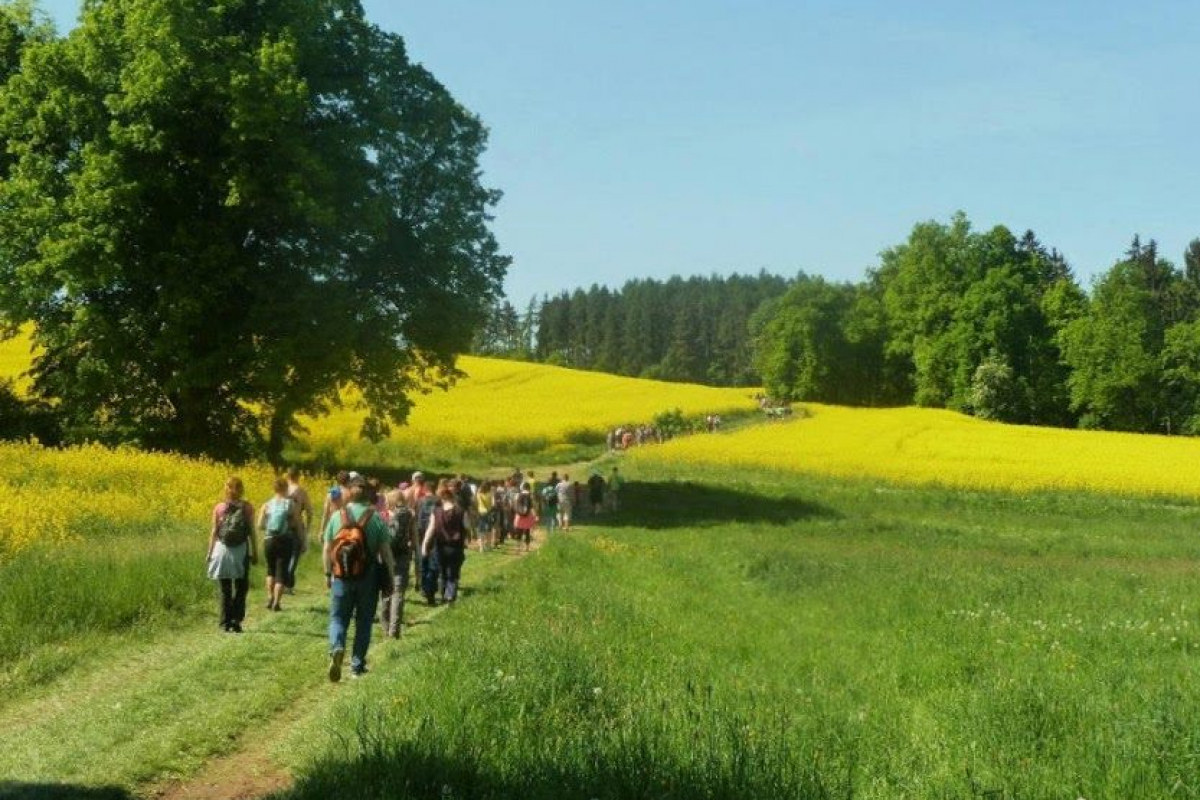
(354, 598)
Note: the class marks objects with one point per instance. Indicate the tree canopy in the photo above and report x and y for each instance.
(220, 213)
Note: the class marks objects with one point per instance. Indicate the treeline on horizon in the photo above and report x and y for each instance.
(983, 322)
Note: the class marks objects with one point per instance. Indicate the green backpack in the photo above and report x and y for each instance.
(233, 529)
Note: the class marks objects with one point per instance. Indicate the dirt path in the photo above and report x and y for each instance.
(253, 768)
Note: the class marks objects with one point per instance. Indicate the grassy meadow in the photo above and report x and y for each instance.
(857, 604)
(766, 634)
(96, 542)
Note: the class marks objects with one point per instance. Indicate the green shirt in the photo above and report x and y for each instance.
(376, 531)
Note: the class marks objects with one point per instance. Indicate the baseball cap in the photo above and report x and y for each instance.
(357, 480)
(418, 476)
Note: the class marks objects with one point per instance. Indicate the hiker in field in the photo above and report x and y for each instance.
(550, 502)
(612, 498)
(418, 498)
(497, 517)
(500, 510)
(335, 498)
(483, 513)
(231, 551)
(354, 538)
(401, 522)
(429, 571)
(282, 528)
(446, 537)
(300, 497)
(535, 489)
(512, 488)
(524, 518)
(566, 502)
(595, 492)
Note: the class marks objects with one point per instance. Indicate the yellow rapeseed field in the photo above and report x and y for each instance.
(928, 446)
(51, 496)
(511, 406)
(500, 407)
(15, 358)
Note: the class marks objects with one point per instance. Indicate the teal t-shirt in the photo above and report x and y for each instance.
(377, 530)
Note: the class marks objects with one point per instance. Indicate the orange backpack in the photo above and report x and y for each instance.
(349, 549)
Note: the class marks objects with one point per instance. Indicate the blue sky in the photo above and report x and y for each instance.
(655, 138)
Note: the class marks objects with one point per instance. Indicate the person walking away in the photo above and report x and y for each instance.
(524, 518)
(483, 512)
(429, 567)
(512, 488)
(231, 551)
(566, 499)
(535, 489)
(550, 502)
(299, 496)
(418, 490)
(401, 522)
(614, 488)
(446, 535)
(596, 492)
(278, 518)
(335, 498)
(353, 540)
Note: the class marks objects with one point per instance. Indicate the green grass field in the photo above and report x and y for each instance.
(736, 635)
(728, 634)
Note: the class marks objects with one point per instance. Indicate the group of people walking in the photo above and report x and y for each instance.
(371, 537)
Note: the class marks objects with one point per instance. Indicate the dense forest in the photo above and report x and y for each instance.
(984, 322)
(692, 329)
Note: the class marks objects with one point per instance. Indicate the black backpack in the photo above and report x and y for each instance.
(233, 528)
(524, 504)
(400, 526)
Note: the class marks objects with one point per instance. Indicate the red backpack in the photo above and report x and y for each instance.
(349, 549)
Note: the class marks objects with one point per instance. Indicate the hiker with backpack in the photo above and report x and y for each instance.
(524, 518)
(446, 537)
(231, 551)
(401, 522)
(354, 538)
(279, 520)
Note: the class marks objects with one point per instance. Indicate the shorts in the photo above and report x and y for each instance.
(278, 552)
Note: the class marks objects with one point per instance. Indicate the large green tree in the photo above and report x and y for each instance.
(220, 213)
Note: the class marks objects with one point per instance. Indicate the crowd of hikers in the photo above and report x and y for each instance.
(372, 536)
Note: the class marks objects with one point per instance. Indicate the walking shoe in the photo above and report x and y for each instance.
(235, 627)
(358, 673)
(335, 665)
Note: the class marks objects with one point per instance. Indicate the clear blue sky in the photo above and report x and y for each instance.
(699, 136)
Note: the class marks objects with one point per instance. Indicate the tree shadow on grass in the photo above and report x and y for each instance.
(60, 791)
(659, 505)
(407, 771)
